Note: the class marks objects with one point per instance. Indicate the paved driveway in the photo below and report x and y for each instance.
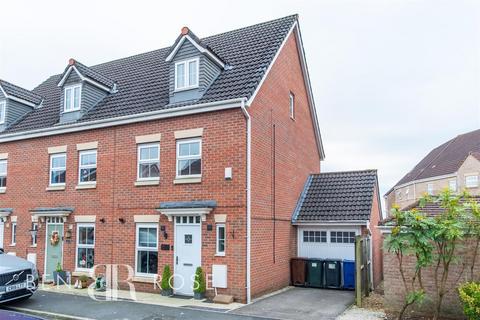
(301, 303)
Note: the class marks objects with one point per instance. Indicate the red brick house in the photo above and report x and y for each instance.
(191, 155)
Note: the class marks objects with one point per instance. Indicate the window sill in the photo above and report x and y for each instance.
(33, 246)
(86, 186)
(220, 255)
(140, 183)
(145, 279)
(186, 88)
(12, 245)
(79, 273)
(55, 188)
(3, 190)
(187, 180)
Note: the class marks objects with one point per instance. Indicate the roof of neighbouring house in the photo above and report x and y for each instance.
(445, 159)
(19, 92)
(142, 80)
(431, 209)
(337, 196)
(89, 73)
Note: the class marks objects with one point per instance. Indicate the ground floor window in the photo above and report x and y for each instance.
(85, 246)
(342, 237)
(221, 239)
(147, 249)
(14, 233)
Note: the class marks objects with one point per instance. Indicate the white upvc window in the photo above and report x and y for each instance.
(87, 167)
(471, 181)
(72, 98)
(14, 233)
(452, 185)
(3, 109)
(186, 74)
(221, 239)
(407, 191)
(189, 158)
(148, 162)
(34, 235)
(58, 169)
(3, 174)
(292, 105)
(85, 253)
(342, 237)
(314, 236)
(430, 188)
(146, 249)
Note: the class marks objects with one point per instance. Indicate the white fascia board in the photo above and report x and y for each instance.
(110, 122)
(306, 78)
(4, 93)
(199, 48)
(83, 78)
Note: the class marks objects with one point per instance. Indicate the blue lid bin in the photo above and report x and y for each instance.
(348, 274)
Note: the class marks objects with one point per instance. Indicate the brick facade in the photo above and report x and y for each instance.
(116, 197)
(377, 241)
(395, 291)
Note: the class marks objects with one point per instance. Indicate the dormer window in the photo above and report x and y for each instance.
(186, 74)
(3, 103)
(72, 98)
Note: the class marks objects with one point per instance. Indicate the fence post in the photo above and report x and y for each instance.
(358, 271)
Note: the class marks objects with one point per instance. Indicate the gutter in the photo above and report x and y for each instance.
(330, 223)
(109, 122)
(249, 218)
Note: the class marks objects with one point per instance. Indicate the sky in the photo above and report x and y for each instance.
(391, 79)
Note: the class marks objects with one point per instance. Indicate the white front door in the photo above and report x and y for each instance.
(188, 253)
(1, 234)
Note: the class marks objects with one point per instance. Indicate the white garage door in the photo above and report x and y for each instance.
(327, 242)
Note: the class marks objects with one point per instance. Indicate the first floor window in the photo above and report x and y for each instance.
(85, 246)
(34, 235)
(148, 161)
(58, 168)
(430, 188)
(314, 236)
(189, 158)
(2, 111)
(3, 174)
(221, 239)
(452, 185)
(471, 181)
(14, 233)
(147, 249)
(342, 237)
(88, 166)
(292, 105)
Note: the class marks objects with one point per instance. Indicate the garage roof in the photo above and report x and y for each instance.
(337, 196)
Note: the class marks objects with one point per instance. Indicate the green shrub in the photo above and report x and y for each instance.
(59, 267)
(470, 296)
(167, 274)
(199, 286)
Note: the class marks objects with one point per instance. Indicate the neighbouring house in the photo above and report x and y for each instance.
(454, 165)
(333, 209)
(190, 155)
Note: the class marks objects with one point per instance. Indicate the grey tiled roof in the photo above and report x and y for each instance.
(92, 74)
(18, 92)
(337, 196)
(446, 158)
(142, 80)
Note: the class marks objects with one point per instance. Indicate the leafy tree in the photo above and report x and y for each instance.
(473, 225)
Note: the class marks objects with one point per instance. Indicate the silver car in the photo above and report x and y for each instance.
(18, 278)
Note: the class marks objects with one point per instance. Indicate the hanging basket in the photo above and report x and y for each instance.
(54, 238)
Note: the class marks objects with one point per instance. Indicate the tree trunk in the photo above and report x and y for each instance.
(402, 312)
(438, 306)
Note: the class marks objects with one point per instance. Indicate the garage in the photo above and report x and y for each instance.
(333, 209)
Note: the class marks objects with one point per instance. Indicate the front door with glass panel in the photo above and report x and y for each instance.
(54, 244)
(188, 246)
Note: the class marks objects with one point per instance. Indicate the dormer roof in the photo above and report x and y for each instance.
(87, 74)
(187, 35)
(11, 91)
